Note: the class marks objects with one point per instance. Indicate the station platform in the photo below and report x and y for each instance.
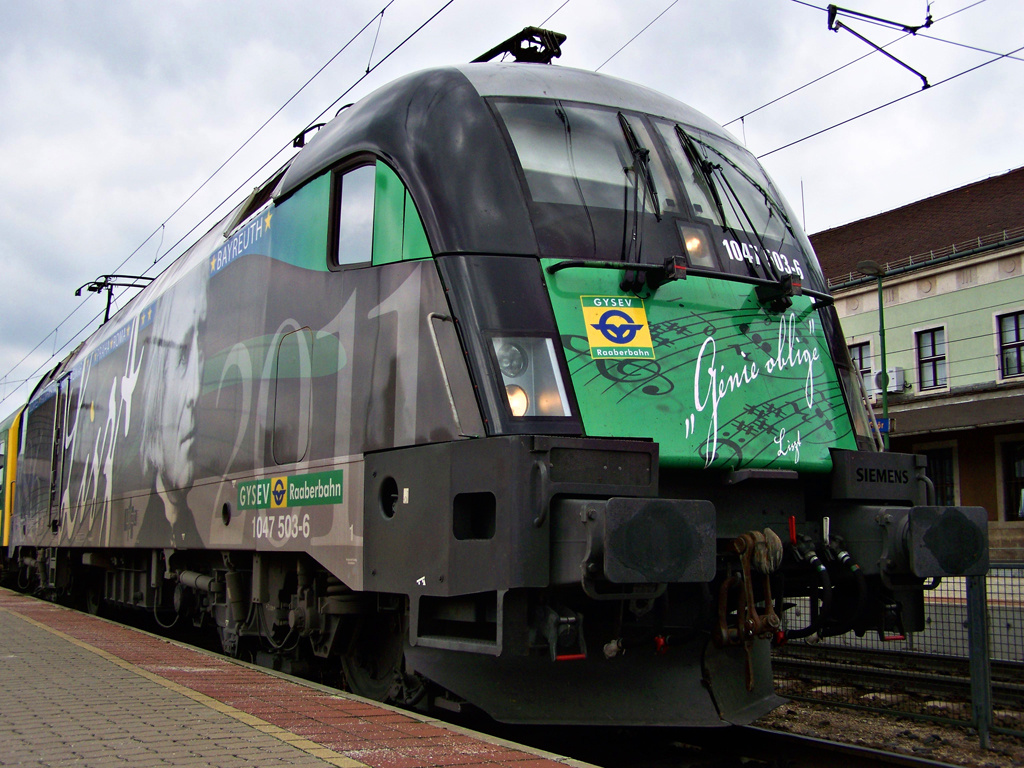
(76, 690)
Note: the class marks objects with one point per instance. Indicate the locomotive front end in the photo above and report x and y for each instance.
(676, 438)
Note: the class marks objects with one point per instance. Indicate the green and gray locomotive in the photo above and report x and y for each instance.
(519, 386)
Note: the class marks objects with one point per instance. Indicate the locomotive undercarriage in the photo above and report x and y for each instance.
(560, 583)
(571, 576)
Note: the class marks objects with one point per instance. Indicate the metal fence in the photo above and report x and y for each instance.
(966, 667)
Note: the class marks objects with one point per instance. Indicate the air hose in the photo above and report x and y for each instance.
(803, 552)
(835, 546)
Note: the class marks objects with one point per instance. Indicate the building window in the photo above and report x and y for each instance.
(1013, 479)
(931, 358)
(861, 355)
(1011, 345)
(942, 475)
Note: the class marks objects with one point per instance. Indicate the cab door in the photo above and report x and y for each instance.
(60, 456)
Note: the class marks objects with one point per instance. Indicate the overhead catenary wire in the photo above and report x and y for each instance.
(969, 47)
(284, 148)
(998, 57)
(41, 368)
(840, 68)
(161, 228)
(369, 70)
(255, 133)
(554, 13)
(634, 37)
(231, 195)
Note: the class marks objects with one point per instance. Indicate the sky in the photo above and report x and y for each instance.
(124, 124)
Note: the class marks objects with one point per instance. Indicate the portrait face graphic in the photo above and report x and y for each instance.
(180, 373)
(174, 374)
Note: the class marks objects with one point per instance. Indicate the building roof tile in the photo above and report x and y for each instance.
(980, 212)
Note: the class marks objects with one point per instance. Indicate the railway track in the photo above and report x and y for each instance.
(731, 747)
(807, 752)
(898, 672)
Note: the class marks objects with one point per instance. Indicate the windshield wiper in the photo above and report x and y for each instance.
(707, 169)
(769, 199)
(641, 162)
(633, 280)
(775, 293)
(657, 274)
(571, 157)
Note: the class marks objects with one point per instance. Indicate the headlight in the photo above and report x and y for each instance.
(512, 359)
(698, 248)
(518, 400)
(530, 373)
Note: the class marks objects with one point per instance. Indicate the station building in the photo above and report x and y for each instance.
(951, 280)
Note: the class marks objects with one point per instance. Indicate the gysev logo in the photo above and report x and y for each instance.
(294, 491)
(617, 327)
(279, 492)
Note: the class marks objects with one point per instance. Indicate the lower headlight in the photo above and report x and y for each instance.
(518, 400)
(529, 370)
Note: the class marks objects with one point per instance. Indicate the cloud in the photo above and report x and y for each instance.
(114, 113)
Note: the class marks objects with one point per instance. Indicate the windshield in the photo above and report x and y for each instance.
(747, 200)
(612, 185)
(575, 155)
(592, 195)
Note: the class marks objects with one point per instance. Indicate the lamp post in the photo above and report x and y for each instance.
(875, 270)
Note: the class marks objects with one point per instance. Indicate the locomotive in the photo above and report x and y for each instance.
(518, 386)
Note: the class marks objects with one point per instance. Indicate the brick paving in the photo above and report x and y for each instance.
(76, 690)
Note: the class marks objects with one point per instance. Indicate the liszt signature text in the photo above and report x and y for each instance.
(712, 385)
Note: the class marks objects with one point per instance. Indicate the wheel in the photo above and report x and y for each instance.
(88, 591)
(93, 599)
(373, 662)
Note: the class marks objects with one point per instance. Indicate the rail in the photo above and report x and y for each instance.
(932, 674)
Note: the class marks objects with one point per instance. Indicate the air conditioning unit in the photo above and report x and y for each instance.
(896, 380)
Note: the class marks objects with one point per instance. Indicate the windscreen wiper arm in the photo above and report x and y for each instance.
(772, 290)
(769, 200)
(708, 168)
(641, 162)
(655, 275)
(705, 169)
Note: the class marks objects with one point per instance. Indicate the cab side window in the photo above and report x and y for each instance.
(353, 193)
(373, 218)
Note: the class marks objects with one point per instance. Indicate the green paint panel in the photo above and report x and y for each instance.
(299, 226)
(222, 370)
(388, 216)
(397, 230)
(415, 244)
(730, 385)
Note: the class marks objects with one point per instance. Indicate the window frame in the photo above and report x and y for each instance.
(1001, 444)
(1001, 374)
(334, 220)
(953, 447)
(920, 362)
(868, 383)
